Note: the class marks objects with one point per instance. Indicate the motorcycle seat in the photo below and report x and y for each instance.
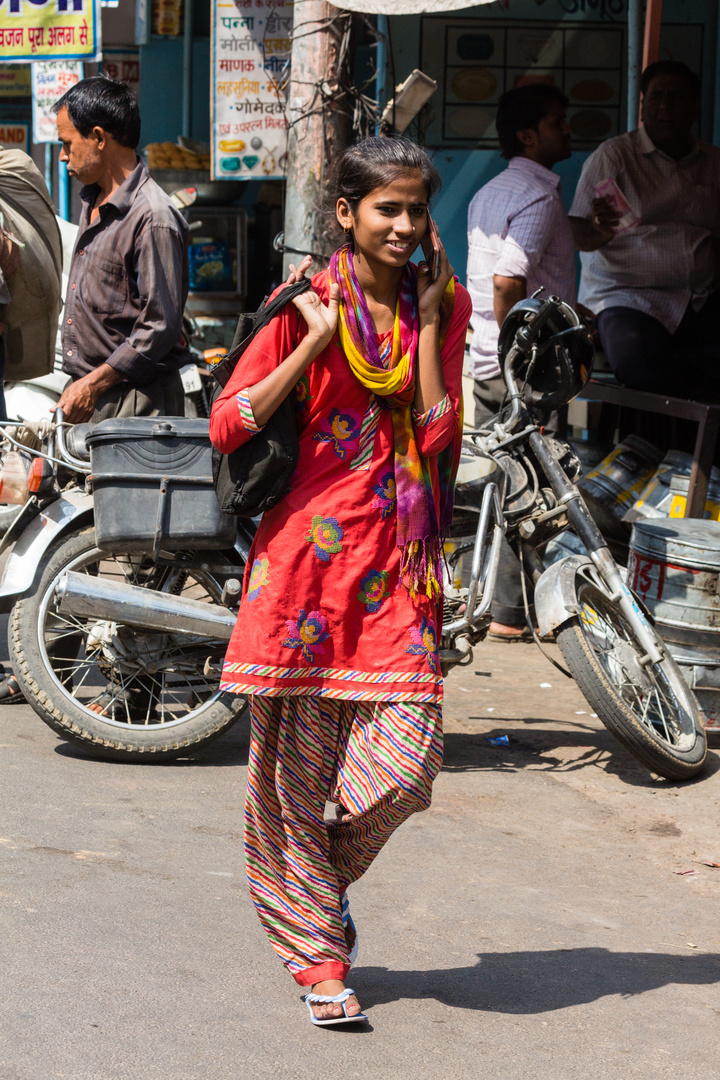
(75, 441)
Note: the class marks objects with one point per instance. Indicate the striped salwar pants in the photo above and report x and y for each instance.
(378, 761)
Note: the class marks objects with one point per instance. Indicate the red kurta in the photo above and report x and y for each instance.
(322, 611)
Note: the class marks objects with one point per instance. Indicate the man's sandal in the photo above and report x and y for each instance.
(347, 923)
(10, 691)
(323, 999)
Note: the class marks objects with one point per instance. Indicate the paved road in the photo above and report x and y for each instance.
(531, 924)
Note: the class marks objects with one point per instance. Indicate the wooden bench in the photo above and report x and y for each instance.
(707, 417)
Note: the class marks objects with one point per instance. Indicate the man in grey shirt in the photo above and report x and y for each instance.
(122, 324)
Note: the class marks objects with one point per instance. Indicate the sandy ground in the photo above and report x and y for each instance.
(538, 921)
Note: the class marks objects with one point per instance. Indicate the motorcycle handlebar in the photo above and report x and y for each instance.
(527, 335)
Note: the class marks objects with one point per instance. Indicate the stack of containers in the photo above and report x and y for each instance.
(674, 567)
(665, 493)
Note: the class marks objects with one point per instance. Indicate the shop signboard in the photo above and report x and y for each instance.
(251, 43)
(14, 80)
(49, 30)
(14, 136)
(50, 80)
(123, 64)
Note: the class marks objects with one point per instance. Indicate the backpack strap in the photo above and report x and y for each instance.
(264, 315)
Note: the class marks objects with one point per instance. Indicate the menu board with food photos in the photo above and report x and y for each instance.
(251, 43)
(476, 60)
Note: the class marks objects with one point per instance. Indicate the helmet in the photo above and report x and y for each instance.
(564, 359)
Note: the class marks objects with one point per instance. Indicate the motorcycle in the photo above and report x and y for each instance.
(516, 482)
(143, 632)
(119, 651)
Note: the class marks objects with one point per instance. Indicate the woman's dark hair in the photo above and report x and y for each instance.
(106, 103)
(522, 108)
(375, 161)
(671, 67)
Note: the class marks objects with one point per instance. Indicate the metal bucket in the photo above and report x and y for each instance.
(679, 486)
(674, 567)
(665, 494)
(613, 486)
(701, 671)
(590, 454)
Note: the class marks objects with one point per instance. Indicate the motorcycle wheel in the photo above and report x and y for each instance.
(650, 709)
(164, 706)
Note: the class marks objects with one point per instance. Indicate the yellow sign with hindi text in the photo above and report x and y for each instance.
(49, 30)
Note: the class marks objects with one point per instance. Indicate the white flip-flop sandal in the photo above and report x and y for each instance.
(323, 999)
(347, 921)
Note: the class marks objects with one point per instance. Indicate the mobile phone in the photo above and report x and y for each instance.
(431, 248)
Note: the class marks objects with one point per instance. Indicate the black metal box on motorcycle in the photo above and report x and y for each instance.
(153, 486)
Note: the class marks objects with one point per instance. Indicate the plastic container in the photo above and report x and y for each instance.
(13, 479)
(674, 567)
(665, 494)
(153, 488)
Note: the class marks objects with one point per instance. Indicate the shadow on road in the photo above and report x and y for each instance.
(537, 982)
(549, 749)
(231, 748)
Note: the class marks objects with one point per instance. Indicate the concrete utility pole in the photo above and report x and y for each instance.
(317, 132)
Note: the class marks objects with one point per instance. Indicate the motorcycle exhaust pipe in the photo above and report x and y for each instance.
(98, 598)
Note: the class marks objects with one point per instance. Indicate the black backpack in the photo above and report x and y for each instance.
(254, 477)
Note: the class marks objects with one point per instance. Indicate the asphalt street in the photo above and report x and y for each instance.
(551, 916)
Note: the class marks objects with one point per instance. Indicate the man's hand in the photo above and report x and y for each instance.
(592, 234)
(80, 398)
(605, 218)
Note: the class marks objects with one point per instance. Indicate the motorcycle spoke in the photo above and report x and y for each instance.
(648, 695)
(146, 678)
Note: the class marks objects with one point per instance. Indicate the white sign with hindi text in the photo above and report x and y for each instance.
(50, 80)
(251, 43)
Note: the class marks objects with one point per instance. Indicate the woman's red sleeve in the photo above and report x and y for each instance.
(272, 345)
(434, 436)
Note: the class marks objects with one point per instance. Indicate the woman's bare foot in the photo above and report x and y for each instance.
(332, 1009)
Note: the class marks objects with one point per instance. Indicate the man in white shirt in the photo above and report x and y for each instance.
(519, 239)
(654, 287)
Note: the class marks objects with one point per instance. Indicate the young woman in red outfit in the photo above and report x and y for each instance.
(336, 638)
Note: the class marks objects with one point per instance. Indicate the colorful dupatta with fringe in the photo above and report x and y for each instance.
(419, 529)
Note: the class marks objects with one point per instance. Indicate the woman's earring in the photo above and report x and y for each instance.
(347, 229)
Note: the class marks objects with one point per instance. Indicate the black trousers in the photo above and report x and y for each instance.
(646, 356)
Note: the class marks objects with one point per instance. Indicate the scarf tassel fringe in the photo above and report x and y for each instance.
(420, 568)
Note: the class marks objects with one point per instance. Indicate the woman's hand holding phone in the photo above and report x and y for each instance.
(433, 275)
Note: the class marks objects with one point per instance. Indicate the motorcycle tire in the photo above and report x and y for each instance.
(650, 709)
(173, 712)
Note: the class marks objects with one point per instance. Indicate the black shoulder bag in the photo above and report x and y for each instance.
(254, 477)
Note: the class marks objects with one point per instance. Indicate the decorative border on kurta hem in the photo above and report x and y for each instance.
(330, 692)
(267, 671)
(332, 969)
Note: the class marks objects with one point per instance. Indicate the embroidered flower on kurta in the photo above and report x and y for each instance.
(326, 534)
(303, 397)
(386, 495)
(306, 633)
(424, 643)
(259, 576)
(373, 589)
(342, 431)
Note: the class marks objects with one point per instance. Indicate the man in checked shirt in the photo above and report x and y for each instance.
(519, 239)
(128, 282)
